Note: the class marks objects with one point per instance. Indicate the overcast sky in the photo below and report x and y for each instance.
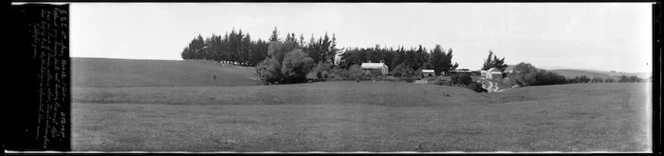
(600, 36)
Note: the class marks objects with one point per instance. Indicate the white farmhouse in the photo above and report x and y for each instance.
(368, 67)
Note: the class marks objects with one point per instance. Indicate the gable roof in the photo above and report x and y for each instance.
(373, 65)
(494, 69)
(427, 70)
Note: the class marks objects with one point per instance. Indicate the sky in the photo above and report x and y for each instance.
(597, 36)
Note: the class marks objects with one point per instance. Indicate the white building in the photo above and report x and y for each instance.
(428, 72)
(492, 73)
(368, 67)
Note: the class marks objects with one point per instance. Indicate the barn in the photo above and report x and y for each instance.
(380, 67)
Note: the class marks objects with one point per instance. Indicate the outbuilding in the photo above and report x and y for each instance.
(428, 72)
(493, 74)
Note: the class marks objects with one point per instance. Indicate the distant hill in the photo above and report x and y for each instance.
(103, 72)
(570, 73)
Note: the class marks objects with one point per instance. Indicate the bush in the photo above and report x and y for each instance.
(634, 78)
(355, 72)
(528, 75)
(321, 71)
(296, 65)
(339, 74)
(463, 79)
(403, 70)
(213, 76)
(269, 71)
(476, 87)
(597, 80)
(609, 80)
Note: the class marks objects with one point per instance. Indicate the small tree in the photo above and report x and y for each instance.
(403, 70)
(597, 79)
(494, 62)
(609, 80)
(623, 79)
(269, 71)
(355, 72)
(463, 79)
(296, 65)
(476, 87)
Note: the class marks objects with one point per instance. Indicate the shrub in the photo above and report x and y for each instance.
(339, 74)
(403, 70)
(527, 75)
(463, 79)
(443, 82)
(355, 72)
(213, 76)
(321, 71)
(296, 65)
(269, 71)
(476, 87)
(634, 78)
(597, 80)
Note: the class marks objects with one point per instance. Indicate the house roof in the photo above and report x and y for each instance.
(373, 65)
(427, 70)
(494, 69)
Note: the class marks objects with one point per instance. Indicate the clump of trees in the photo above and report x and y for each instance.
(491, 62)
(632, 78)
(525, 74)
(236, 47)
(290, 61)
(462, 79)
(621, 79)
(476, 87)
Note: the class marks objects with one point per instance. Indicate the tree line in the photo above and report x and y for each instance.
(291, 59)
(239, 48)
(526, 74)
(401, 61)
(236, 47)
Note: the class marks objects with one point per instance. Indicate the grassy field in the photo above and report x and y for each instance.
(103, 72)
(361, 116)
(571, 73)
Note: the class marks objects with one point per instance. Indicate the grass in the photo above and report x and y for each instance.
(571, 73)
(364, 116)
(102, 72)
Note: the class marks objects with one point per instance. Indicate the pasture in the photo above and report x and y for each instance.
(362, 116)
(104, 72)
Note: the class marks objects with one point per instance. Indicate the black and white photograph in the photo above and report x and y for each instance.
(361, 77)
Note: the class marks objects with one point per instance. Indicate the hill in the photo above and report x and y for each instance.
(571, 73)
(103, 72)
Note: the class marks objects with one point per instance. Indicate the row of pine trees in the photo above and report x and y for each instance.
(239, 48)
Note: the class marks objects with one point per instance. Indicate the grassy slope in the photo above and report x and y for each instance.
(102, 72)
(365, 116)
(570, 73)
